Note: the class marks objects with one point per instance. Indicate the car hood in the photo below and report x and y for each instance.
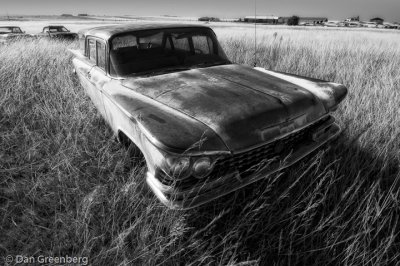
(239, 103)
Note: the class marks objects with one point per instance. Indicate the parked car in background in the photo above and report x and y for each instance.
(370, 24)
(331, 24)
(205, 126)
(388, 25)
(57, 32)
(353, 24)
(11, 33)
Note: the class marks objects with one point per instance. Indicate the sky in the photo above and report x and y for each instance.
(332, 9)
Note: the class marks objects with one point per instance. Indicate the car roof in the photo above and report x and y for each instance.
(106, 32)
(9, 27)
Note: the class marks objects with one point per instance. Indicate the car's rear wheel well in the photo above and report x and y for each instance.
(135, 153)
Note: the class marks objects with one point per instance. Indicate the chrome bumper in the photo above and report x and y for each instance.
(210, 190)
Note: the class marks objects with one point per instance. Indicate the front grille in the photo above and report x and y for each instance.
(250, 161)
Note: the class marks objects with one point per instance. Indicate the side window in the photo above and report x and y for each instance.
(101, 55)
(92, 50)
(201, 44)
(124, 41)
(181, 44)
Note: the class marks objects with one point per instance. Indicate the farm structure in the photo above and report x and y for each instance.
(283, 20)
(377, 20)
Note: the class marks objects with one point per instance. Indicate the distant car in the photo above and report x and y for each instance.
(205, 126)
(353, 24)
(370, 24)
(331, 24)
(57, 32)
(387, 25)
(11, 33)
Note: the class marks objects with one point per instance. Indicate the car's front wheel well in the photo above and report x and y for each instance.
(134, 151)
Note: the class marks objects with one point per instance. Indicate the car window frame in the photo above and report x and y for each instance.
(87, 53)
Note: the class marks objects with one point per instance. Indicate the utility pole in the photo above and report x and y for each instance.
(255, 33)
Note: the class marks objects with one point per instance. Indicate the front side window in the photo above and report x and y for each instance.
(155, 51)
(180, 43)
(101, 55)
(202, 44)
(92, 50)
(17, 30)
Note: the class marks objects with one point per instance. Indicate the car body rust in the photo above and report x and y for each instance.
(205, 126)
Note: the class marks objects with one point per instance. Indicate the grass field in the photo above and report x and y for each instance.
(67, 188)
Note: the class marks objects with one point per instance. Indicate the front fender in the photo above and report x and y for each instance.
(166, 128)
(330, 93)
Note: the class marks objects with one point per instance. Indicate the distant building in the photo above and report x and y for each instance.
(377, 20)
(283, 20)
(66, 15)
(262, 19)
(82, 15)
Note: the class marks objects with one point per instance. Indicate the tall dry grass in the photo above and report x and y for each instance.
(67, 188)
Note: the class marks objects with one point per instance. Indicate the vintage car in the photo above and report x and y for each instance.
(57, 32)
(11, 33)
(369, 24)
(205, 126)
(331, 24)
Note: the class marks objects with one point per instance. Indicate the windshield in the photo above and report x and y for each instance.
(10, 30)
(164, 50)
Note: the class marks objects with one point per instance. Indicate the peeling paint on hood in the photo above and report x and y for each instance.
(235, 101)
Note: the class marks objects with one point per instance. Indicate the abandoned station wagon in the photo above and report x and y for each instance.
(205, 126)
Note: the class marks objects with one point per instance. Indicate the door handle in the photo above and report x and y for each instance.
(88, 75)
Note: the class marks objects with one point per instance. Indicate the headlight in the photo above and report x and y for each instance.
(202, 167)
(179, 167)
